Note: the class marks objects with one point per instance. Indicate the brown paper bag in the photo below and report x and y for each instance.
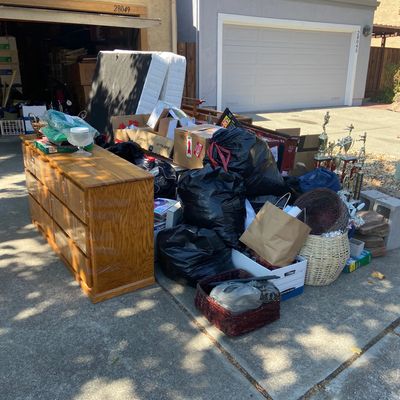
(275, 236)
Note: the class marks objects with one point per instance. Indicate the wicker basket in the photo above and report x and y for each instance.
(325, 211)
(223, 319)
(326, 258)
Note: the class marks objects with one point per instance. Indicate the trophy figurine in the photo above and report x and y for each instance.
(323, 141)
(348, 140)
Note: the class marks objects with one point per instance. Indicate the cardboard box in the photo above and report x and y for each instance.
(49, 148)
(8, 43)
(354, 263)
(165, 110)
(83, 94)
(167, 126)
(291, 278)
(191, 144)
(144, 136)
(307, 148)
(81, 73)
(9, 57)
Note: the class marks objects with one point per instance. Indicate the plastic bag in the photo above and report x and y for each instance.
(214, 199)
(188, 254)
(60, 123)
(319, 178)
(165, 180)
(250, 214)
(129, 151)
(251, 158)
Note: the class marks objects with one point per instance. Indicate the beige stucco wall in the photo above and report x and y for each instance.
(387, 13)
(159, 38)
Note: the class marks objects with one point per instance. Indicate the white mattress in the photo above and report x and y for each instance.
(173, 80)
(152, 85)
(172, 89)
(154, 81)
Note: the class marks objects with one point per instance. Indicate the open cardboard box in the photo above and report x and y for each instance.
(143, 135)
(291, 278)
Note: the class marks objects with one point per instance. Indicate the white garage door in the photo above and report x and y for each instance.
(274, 69)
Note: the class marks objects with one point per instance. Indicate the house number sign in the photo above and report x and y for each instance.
(120, 8)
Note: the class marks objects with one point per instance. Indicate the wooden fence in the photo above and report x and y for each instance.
(379, 58)
(189, 51)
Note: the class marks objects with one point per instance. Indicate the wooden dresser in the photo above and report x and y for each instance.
(97, 214)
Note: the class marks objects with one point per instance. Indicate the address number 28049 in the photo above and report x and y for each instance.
(120, 8)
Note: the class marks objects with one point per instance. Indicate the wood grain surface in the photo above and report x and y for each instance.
(122, 237)
(97, 217)
(102, 168)
(98, 6)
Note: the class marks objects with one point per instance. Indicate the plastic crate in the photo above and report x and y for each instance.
(12, 127)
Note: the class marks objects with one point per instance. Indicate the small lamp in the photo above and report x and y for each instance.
(367, 30)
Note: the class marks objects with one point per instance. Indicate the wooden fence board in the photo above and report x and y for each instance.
(379, 59)
(188, 50)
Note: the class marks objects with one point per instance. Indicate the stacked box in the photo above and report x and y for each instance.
(354, 263)
(9, 60)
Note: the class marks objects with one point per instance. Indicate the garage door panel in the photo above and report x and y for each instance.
(266, 68)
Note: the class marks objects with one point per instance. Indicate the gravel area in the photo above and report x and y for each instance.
(379, 174)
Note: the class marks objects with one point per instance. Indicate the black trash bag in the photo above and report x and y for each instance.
(129, 151)
(214, 199)
(188, 254)
(251, 158)
(165, 180)
(259, 201)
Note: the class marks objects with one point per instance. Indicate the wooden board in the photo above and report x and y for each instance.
(188, 50)
(108, 7)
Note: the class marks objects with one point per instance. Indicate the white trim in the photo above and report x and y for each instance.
(196, 24)
(243, 20)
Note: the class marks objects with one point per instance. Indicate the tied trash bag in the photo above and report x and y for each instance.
(164, 174)
(129, 151)
(319, 178)
(165, 180)
(251, 158)
(214, 199)
(60, 123)
(188, 254)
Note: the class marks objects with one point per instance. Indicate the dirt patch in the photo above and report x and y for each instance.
(379, 174)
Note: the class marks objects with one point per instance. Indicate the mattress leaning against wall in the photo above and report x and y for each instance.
(173, 81)
(172, 89)
(124, 83)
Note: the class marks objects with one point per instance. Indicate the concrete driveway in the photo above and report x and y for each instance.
(338, 342)
(381, 124)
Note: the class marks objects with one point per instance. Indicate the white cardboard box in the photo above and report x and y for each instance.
(290, 277)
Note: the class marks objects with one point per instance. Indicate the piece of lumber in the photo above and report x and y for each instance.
(108, 7)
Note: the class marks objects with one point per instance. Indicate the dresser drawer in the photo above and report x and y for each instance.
(41, 217)
(74, 228)
(29, 158)
(75, 258)
(40, 192)
(74, 196)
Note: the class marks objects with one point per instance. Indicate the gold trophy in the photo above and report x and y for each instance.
(323, 142)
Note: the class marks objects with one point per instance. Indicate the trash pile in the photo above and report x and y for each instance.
(229, 218)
